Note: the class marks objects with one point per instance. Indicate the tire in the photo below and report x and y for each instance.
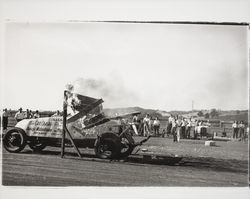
(37, 145)
(107, 146)
(14, 140)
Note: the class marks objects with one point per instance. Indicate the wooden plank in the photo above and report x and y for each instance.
(102, 121)
(85, 102)
(85, 112)
(93, 119)
(125, 115)
(85, 99)
(83, 108)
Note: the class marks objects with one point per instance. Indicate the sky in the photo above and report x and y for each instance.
(159, 66)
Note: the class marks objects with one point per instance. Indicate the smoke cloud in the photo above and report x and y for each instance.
(112, 91)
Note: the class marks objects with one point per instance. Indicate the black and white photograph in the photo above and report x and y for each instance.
(125, 103)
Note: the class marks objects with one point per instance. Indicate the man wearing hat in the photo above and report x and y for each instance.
(135, 123)
(20, 115)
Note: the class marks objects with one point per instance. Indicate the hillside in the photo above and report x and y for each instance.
(239, 117)
(122, 111)
(230, 115)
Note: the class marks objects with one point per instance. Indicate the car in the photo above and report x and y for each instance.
(88, 128)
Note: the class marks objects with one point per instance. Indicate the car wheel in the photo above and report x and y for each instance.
(106, 148)
(14, 140)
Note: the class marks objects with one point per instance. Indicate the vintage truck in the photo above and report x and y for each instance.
(89, 127)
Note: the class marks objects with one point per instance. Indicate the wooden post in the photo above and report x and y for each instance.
(65, 130)
(64, 124)
(72, 142)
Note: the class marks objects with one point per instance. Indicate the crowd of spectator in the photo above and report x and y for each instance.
(28, 114)
(179, 127)
(20, 115)
(146, 126)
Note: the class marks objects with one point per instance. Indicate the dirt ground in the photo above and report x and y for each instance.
(196, 148)
(226, 164)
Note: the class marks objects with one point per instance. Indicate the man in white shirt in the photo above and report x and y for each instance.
(135, 123)
(188, 128)
(36, 115)
(178, 130)
(173, 130)
(146, 122)
(241, 127)
(235, 129)
(183, 128)
(20, 115)
(169, 127)
(156, 126)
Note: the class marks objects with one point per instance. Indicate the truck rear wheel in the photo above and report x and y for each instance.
(14, 140)
(108, 146)
(106, 149)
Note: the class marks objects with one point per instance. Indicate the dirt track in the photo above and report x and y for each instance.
(30, 169)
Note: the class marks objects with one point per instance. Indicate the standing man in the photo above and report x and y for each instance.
(169, 127)
(173, 130)
(5, 118)
(196, 129)
(135, 123)
(20, 115)
(241, 130)
(188, 128)
(146, 122)
(156, 126)
(235, 129)
(183, 128)
(179, 128)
